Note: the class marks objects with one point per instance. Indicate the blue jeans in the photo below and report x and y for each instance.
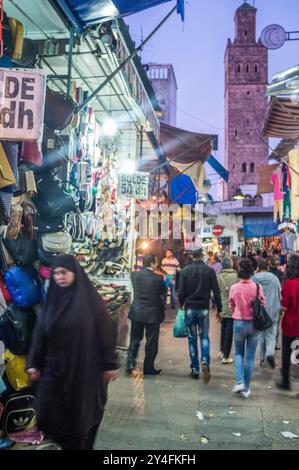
(246, 339)
(197, 322)
(170, 283)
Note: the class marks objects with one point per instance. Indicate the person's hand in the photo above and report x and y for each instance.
(34, 374)
(219, 318)
(110, 375)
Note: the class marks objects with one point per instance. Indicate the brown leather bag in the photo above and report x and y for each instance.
(29, 220)
(59, 110)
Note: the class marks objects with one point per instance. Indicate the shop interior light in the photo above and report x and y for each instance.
(238, 195)
(144, 245)
(109, 127)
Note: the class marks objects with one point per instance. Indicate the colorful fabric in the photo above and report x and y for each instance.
(170, 265)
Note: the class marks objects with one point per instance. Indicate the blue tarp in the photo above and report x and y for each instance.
(218, 168)
(182, 190)
(259, 226)
(83, 13)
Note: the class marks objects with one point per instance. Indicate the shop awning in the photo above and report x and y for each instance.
(259, 226)
(83, 13)
(282, 118)
(265, 184)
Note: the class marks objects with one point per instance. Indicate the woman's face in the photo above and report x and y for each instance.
(63, 277)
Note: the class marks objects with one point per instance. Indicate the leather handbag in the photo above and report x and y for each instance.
(59, 110)
(7, 36)
(7, 177)
(261, 319)
(22, 250)
(5, 291)
(31, 153)
(29, 54)
(49, 226)
(60, 242)
(45, 257)
(17, 30)
(52, 200)
(16, 327)
(55, 151)
(29, 220)
(15, 222)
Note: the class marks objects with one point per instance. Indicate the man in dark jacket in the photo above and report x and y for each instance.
(147, 312)
(196, 283)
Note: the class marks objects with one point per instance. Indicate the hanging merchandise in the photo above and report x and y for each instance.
(276, 179)
(288, 239)
(293, 158)
(59, 109)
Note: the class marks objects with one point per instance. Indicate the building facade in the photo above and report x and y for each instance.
(164, 83)
(246, 78)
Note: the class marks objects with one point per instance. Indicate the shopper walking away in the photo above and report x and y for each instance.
(146, 313)
(245, 336)
(72, 357)
(196, 283)
(290, 319)
(272, 290)
(215, 264)
(226, 279)
(170, 265)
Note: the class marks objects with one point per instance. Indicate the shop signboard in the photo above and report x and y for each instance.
(133, 185)
(22, 101)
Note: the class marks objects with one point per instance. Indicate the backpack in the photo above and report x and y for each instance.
(19, 413)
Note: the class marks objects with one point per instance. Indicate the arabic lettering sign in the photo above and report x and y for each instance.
(22, 100)
(133, 185)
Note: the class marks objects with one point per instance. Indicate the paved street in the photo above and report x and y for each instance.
(155, 413)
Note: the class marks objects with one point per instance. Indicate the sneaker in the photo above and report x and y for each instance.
(246, 394)
(271, 362)
(228, 360)
(238, 388)
(220, 355)
(194, 374)
(262, 363)
(206, 375)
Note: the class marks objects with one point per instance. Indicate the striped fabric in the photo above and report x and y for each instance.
(170, 265)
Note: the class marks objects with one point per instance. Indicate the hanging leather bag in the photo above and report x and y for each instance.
(52, 199)
(16, 327)
(60, 242)
(59, 110)
(22, 250)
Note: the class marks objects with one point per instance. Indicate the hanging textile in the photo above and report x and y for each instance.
(182, 190)
(259, 226)
(294, 165)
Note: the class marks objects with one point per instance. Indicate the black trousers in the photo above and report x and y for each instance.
(286, 352)
(226, 336)
(152, 331)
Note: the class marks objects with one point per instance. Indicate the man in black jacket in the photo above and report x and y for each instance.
(196, 283)
(147, 312)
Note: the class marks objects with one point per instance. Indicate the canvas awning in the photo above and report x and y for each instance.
(282, 118)
(83, 13)
(259, 226)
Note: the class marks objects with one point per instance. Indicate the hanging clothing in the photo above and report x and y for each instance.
(286, 177)
(287, 242)
(287, 205)
(278, 210)
(276, 179)
(73, 345)
(294, 165)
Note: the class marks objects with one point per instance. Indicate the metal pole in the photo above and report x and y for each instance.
(70, 59)
(131, 56)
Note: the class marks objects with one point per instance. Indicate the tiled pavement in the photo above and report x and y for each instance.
(159, 412)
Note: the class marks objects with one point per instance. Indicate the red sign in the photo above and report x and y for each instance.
(217, 230)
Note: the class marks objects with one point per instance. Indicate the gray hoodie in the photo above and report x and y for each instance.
(271, 287)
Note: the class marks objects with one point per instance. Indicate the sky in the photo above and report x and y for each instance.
(196, 49)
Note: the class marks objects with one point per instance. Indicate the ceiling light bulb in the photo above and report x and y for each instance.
(109, 127)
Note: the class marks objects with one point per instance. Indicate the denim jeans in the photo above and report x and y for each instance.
(246, 339)
(197, 322)
(170, 283)
(268, 341)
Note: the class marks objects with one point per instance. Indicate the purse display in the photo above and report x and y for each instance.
(29, 220)
(16, 327)
(23, 286)
(7, 177)
(52, 200)
(31, 153)
(49, 226)
(60, 242)
(22, 250)
(15, 222)
(59, 110)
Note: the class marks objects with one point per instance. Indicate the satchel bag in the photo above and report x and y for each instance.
(59, 110)
(261, 319)
(60, 242)
(49, 226)
(31, 153)
(22, 250)
(16, 327)
(179, 327)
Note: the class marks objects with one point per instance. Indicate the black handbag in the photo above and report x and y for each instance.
(44, 256)
(52, 199)
(59, 109)
(49, 226)
(261, 319)
(22, 250)
(16, 327)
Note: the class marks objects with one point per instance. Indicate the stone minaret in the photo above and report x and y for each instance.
(246, 77)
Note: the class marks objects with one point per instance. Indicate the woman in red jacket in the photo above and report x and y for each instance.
(290, 320)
